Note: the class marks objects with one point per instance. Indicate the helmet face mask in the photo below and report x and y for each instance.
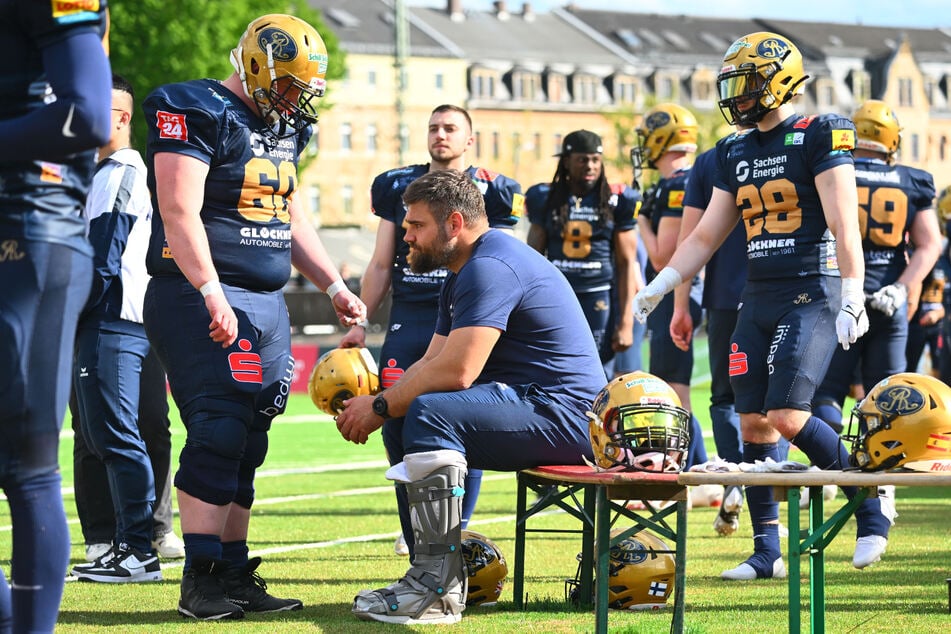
(637, 424)
(641, 569)
(282, 61)
(341, 374)
(486, 568)
(877, 128)
(761, 72)
(903, 422)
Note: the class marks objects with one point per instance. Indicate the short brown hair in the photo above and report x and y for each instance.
(446, 191)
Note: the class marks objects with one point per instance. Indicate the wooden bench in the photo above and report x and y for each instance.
(591, 497)
(813, 540)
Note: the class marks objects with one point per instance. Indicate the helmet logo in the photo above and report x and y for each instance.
(735, 48)
(657, 120)
(629, 551)
(283, 47)
(772, 48)
(900, 400)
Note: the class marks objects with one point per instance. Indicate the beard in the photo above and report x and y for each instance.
(428, 260)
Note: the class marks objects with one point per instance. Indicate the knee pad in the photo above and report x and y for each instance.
(209, 462)
(254, 454)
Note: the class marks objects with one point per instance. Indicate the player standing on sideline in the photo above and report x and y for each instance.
(54, 112)
(792, 182)
(586, 226)
(111, 347)
(504, 385)
(222, 160)
(666, 141)
(416, 295)
(895, 201)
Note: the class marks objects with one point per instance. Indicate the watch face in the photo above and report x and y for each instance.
(379, 405)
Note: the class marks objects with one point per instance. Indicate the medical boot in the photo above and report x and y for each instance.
(433, 590)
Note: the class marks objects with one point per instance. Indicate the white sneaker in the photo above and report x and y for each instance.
(886, 496)
(829, 491)
(727, 520)
(122, 564)
(746, 572)
(400, 547)
(97, 550)
(868, 550)
(169, 546)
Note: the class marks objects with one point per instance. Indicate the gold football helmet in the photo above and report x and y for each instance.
(486, 568)
(904, 421)
(282, 62)
(641, 570)
(761, 71)
(666, 127)
(877, 128)
(341, 374)
(637, 423)
(944, 204)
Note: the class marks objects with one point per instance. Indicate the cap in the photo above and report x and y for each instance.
(581, 142)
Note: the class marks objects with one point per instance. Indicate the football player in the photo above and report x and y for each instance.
(416, 295)
(222, 160)
(791, 182)
(55, 96)
(585, 226)
(895, 205)
(666, 142)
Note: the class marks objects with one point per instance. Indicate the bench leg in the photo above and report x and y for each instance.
(518, 576)
(680, 569)
(602, 525)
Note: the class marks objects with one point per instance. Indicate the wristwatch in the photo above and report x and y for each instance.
(381, 407)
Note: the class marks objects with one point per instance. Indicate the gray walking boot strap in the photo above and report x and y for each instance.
(414, 494)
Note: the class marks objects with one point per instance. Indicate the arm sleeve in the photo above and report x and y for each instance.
(78, 73)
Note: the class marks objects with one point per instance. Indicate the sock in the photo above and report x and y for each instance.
(764, 514)
(6, 609)
(472, 485)
(40, 551)
(200, 545)
(235, 552)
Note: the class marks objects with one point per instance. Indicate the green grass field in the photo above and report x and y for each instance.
(325, 522)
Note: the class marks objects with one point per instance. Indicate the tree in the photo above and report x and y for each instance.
(155, 42)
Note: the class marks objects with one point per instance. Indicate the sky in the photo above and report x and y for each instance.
(911, 13)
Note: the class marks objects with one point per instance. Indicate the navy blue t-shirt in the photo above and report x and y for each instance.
(503, 204)
(545, 338)
(250, 179)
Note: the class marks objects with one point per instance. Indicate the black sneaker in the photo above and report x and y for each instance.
(203, 596)
(122, 564)
(244, 587)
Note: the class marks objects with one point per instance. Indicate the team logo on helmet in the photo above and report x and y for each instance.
(657, 120)
(900, 400)
(772, 48)
(629, 551)
(283, 46)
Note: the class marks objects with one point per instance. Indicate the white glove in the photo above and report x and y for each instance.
(852, 320)
(648, 297)
(889, 298)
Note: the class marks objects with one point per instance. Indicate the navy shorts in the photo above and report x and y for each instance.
(783, 342)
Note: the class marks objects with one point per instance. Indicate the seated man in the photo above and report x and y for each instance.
(504, 385)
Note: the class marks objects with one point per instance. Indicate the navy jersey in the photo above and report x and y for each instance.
(545, 338)
(665, 199)
(503, 204)
(583, 248)
(890, 196)
(725, 271)
(772, 176)
(251, 177)
(43, 199)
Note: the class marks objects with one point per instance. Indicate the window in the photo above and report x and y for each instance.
(495, 145)
(371, 77)
(313, 195)
(537, 144)
(525, 85)
(915, 148)
(371, 137)
(478, 144)
(625, 89)
(346, 137)
(482, 83)
(557, 149)
(346, 197)
(556, 87)
(439, 81)
(584, 89)
(313, 146)
(905, 97)
(861, 85)
(943, 149)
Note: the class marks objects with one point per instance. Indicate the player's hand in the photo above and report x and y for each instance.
(350, 309)
(681, 328)
(224, 324)
(648, 297)
(889, 298)
(356, 337)
(852, 320)
(357, 421)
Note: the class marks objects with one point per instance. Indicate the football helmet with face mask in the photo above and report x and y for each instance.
(944, 204)
(637, 424)
(282, 63)
(341, 374)
(666, 127)
(904, 421)
(877, 128)
(641, 571)
(761, 71)
(486, 568)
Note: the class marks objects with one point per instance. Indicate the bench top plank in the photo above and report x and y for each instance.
(817, 478)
